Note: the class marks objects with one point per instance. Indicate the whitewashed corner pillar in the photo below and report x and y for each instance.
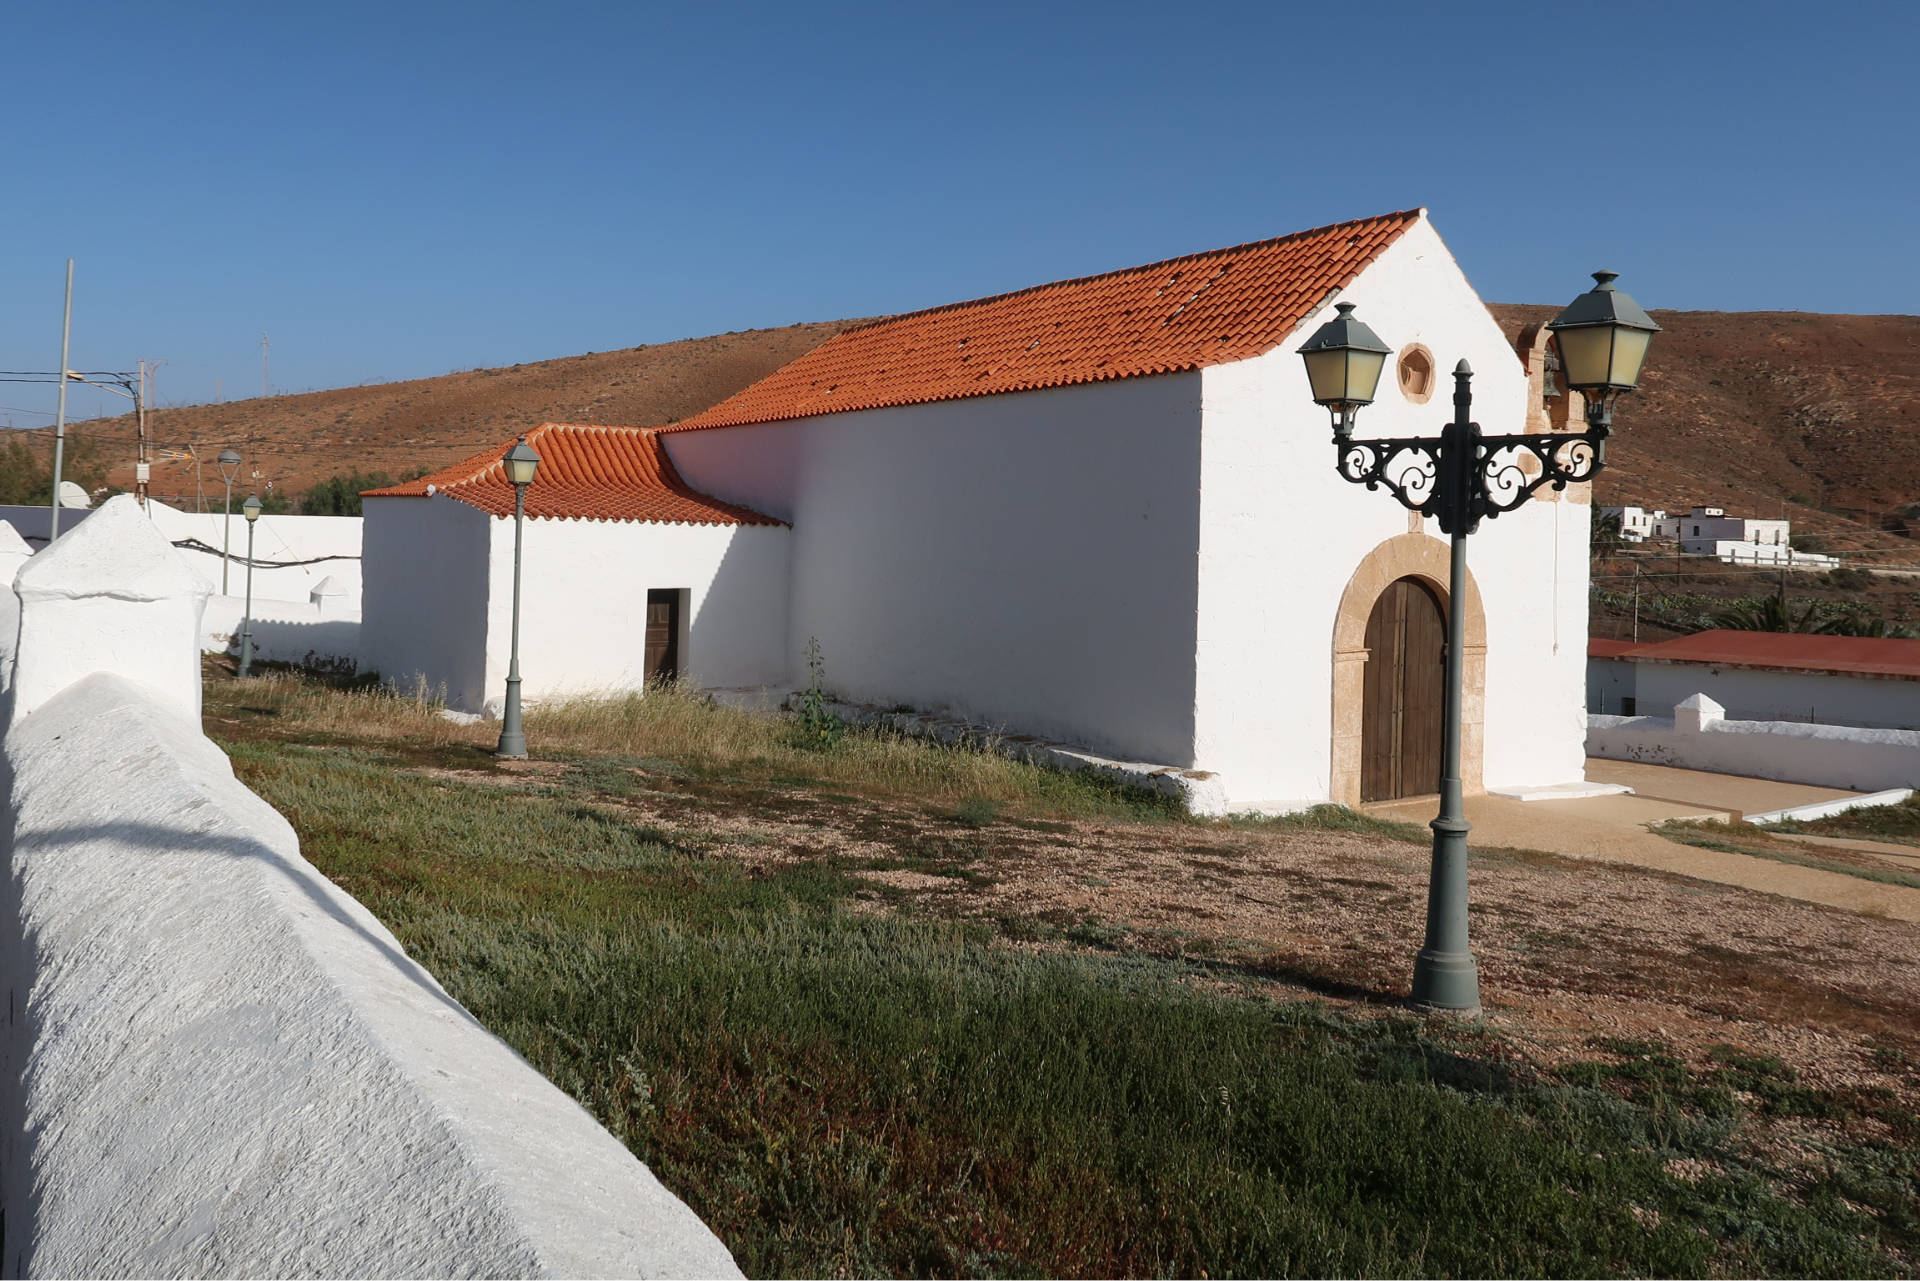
(1697, 714)
(14, 554)
(111, 596)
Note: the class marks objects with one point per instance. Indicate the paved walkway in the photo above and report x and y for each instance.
(1614, 829)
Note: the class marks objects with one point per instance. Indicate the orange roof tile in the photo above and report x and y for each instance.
(1185, 313)
(1792, 651)
(1606, 647)
(586, 473)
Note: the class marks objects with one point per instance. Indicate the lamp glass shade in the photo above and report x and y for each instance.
(1344, 359)
(1344, 376)
(520, 463)
(1603, 338)
(251, 507)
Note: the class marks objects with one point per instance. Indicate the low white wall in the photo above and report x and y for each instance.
(1861, 760)
(308, 633)
(218, 1063)
(330, 545)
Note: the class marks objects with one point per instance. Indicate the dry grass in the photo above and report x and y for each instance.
(682, 724)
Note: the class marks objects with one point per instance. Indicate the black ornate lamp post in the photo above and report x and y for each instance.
(1459, 478)
(520, 463)
(251, 508)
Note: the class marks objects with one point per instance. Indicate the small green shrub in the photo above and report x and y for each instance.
(817, 726)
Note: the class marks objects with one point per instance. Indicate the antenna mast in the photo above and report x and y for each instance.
(264, 346)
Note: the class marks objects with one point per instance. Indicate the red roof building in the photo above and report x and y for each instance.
(1102, 511)
(586, 473)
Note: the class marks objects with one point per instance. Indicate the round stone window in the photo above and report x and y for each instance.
(1416, 373)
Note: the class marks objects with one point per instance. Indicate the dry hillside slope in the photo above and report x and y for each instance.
(1816, 416)
(295, 440)
(1765, 411)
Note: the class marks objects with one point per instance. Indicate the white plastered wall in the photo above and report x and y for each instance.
(330, 545)
(1282, 534)
(1023, 559)
(424, 596)
(1760, 694)
(583, 612)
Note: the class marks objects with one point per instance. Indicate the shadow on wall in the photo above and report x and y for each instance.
(332, 646)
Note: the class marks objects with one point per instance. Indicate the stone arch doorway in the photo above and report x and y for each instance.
(1423, 560)
(1403, 699)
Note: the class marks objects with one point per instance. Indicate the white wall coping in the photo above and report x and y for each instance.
(221, 1064)
(1825, 809)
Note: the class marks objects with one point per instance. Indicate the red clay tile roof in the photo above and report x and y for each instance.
(1606, 647)
(1165, 317)
(1791, 651)
(586, 473)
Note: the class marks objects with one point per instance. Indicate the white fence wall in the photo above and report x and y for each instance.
(218, 1063)
(330, 546)
(1862, 760)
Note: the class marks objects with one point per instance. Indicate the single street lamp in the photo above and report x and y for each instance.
(520, 463)
(1457, 479)
(229, 468)
(252, 509)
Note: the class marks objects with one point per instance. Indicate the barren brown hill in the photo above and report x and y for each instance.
(296, 440)
(1763, 412)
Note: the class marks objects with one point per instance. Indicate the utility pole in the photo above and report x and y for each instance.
(60, 413)
(1636, 602)
(142, 469)
(265, 346)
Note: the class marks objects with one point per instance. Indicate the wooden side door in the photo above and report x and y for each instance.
(663, 634)
(1404, 699)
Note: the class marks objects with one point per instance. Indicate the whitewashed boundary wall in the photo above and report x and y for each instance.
(323, 632)
(14, 553)
(1698, 736)
(295, 552)
(215, 1061)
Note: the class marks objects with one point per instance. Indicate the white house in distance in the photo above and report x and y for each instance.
(1102, 510)
(1709, 531)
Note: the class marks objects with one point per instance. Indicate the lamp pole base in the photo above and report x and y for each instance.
(513, 743)
(1446, 983)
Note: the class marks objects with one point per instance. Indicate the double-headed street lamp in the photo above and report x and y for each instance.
(229, 461)
(520, 463)
(1458, 478)
(252, 510)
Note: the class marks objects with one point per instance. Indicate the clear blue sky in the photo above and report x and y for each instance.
(399, 189)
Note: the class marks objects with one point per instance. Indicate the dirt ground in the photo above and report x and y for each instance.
(1571, 952)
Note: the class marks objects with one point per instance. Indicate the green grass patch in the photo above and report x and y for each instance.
(1899, 823)
(1334, 818)
(845, 1093)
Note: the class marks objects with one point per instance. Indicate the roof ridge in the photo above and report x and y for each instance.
(1124, 323)
(1418, 211)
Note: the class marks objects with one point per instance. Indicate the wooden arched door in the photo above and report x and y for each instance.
(1405, 695)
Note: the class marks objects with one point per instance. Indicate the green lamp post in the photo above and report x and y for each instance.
(229, 461)
(1458, 478)
(251, 508)
(519, 463)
